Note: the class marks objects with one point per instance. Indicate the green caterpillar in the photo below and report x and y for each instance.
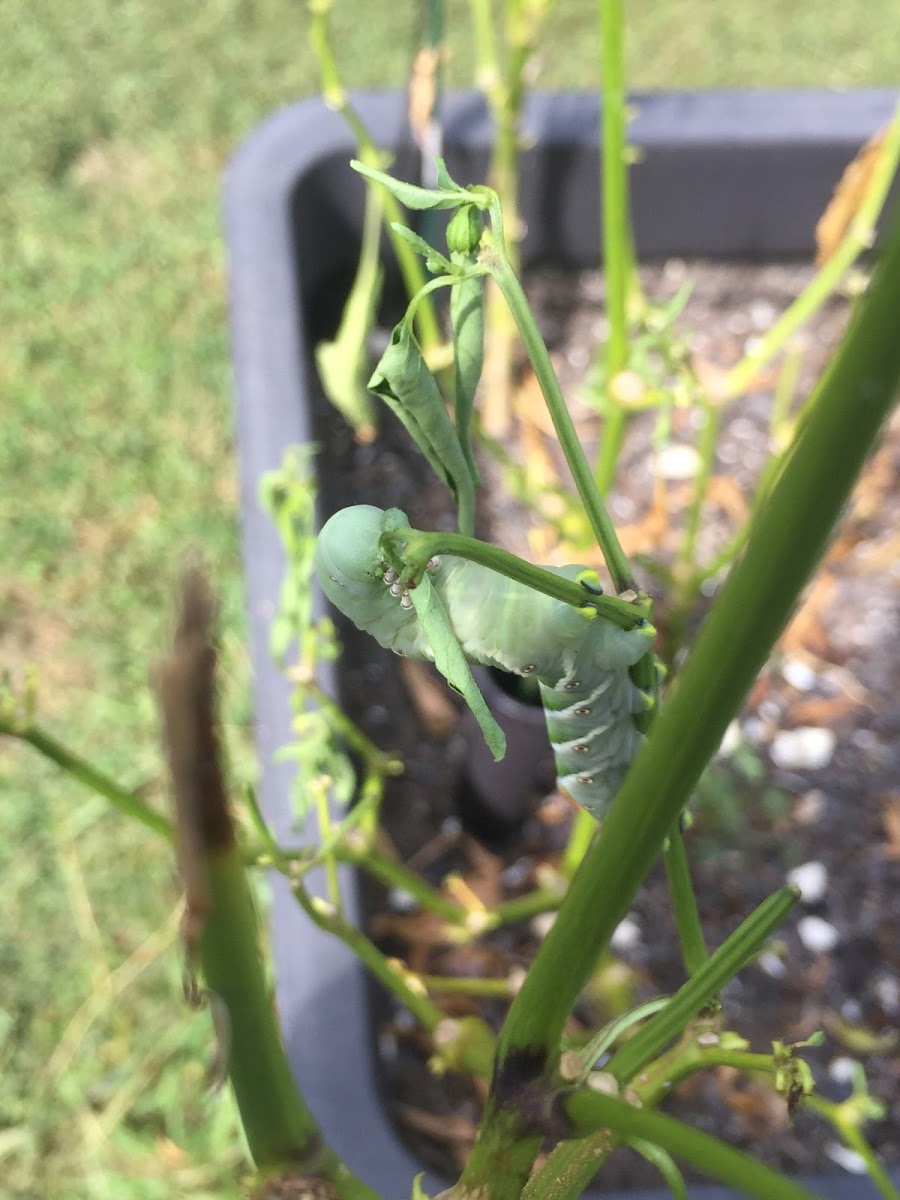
(580, 661)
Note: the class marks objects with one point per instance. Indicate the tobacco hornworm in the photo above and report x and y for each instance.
(581, 661)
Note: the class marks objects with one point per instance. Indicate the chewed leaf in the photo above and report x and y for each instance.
(402, 379)
(434, 260)
(410, 194)
(451, 661)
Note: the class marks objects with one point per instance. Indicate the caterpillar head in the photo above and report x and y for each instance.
(349, 562)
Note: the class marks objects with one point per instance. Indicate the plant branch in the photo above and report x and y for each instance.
(590, 1111)
(127, 802)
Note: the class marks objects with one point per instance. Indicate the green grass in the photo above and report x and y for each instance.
(116, 453)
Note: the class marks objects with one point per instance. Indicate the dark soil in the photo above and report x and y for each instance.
(755, 821)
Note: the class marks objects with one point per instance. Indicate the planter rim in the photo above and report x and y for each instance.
(324, 1011)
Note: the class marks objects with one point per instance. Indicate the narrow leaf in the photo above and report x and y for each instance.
(434, 260)
(402, 379)
(409, 193)
(452, 663)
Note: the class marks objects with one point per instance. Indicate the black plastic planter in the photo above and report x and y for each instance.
(723, 175)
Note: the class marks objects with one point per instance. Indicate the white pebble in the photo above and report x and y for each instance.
(762, 314)
(755, 730)
(846, 1158)
(731, 740)
(773, 966)
(808, 748)
(851, 1011)
(842, 1069)
(624, 508)
(627, 934)
(677, 462)
(451, 828)
(817, 935)
(516, 874)
(887, 991)
(542, 924)
(387, 1046)
(810, 807)
(402, 901)
(811, 879)
(798, 674)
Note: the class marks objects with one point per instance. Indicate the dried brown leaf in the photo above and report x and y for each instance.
(848, 197)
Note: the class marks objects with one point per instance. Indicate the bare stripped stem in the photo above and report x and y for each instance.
(334, 94)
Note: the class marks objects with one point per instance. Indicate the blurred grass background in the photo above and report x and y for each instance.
(116, 452)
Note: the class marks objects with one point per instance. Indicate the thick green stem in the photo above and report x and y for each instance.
(220, 926)
(279, 1128)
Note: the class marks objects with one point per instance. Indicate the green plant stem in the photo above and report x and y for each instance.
(323, 815)
(684, 902)
(618, 262)
(474, 1055)
(618, 565)
(280, 1129)
(411, 269)
(394, 874)
(852, 1136)
(523, 908)
(377, 761)
(415, 548)
(709, 439)
(590, 1111)
(664, 1163)
(503, 86)
(460, 985)
(703, 986)
(84, 772)
(859, 237)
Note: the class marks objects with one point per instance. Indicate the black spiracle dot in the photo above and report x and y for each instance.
(581, 748)
(529, 670)
(587, 780)
(582, 712)
(573, 686)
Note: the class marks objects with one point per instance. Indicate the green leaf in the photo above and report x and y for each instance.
(410, 194)
(343, 363)
(452, 663)
(435, 261)
(443, 176)
(467, 319)
(402, 379)
(418, 1192)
